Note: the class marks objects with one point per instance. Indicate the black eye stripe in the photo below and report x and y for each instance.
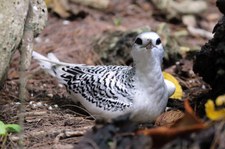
(138, 41)
(158, 41)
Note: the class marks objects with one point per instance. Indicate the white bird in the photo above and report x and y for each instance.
(110, 91)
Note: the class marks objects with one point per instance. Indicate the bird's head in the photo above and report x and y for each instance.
(148, 42)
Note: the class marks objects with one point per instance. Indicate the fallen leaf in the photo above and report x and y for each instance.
(178, 92)
(168, 118)
(188, 124)
(210, 108)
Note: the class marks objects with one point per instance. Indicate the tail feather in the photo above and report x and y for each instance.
(52, 57)
(52, 65)
(46, 63)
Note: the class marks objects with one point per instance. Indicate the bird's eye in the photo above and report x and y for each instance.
(138, 41)
(158, 41)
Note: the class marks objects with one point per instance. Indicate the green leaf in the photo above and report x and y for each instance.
(14, 128)
(3, 130)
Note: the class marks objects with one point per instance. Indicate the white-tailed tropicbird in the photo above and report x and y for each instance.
(110, 91)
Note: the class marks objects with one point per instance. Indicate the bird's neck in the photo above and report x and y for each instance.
(147, 69)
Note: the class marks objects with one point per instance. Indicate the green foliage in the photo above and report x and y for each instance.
(2, 129)
(9, 128)
(13, 128)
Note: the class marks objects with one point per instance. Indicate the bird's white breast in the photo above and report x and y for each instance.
(151, 96)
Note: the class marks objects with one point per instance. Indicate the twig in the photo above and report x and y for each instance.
(199, 32)
(99, 4)
(80, 109)
(217, 135)
(25, 59)
(70, 133)
(60, 134)
(35, 113)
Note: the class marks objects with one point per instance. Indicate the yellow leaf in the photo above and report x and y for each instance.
(210, 110)
(220, 100)
(178, 92)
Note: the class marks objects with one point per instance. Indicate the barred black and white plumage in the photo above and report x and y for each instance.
(111, 91)
(103, 86)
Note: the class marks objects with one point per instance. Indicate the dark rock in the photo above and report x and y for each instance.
(221, 5)
(210, 61)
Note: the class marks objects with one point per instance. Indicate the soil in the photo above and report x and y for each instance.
(51, 118)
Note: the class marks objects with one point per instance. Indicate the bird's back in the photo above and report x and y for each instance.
(106, 89)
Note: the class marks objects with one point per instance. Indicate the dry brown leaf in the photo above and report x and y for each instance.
(189, 123)
(168, 119)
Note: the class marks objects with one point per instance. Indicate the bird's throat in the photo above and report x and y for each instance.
(147, 69)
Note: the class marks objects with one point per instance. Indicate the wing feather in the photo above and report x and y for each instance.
(100, 85)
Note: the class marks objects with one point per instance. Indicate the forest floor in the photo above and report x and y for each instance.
(51, 118)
